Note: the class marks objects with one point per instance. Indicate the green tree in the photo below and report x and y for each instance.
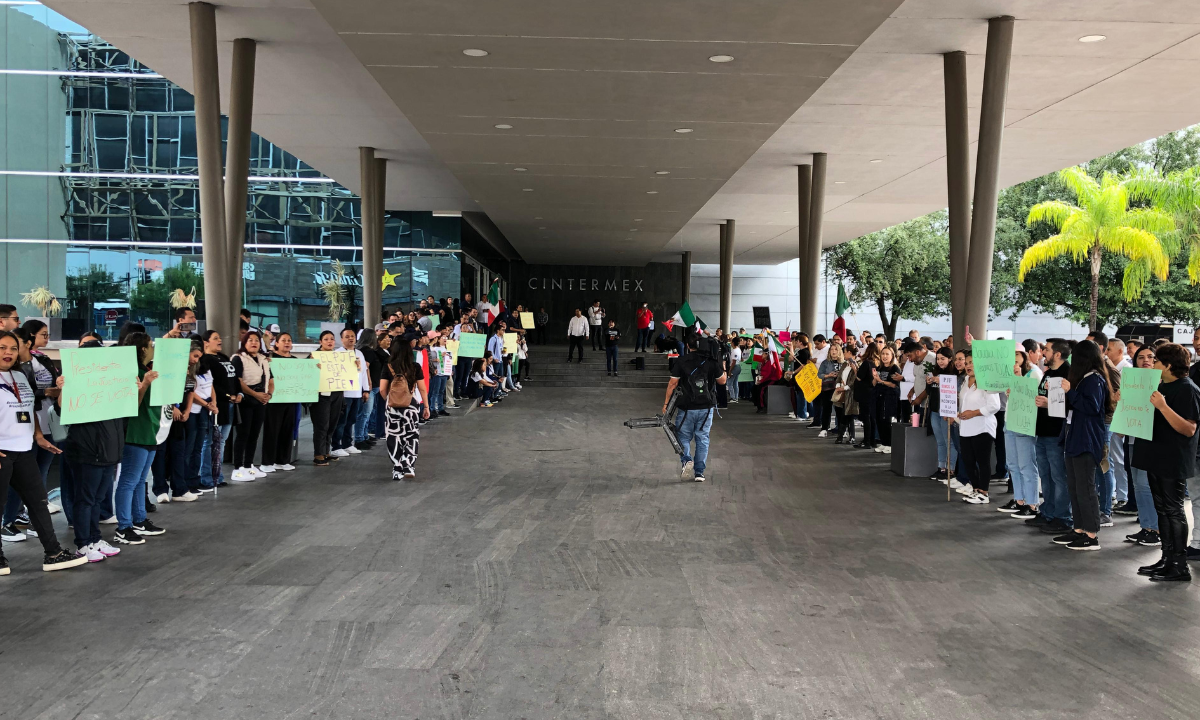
(150, 301)
(904, 271)
(84, 289)
(1102, 221)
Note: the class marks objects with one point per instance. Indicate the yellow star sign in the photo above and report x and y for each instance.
(389, 279)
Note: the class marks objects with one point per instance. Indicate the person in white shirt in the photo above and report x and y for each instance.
(577, 330)
(735, 369)
(595, 316)
(1116, 444)
(976, 432)
(343, 432)
(820, 349)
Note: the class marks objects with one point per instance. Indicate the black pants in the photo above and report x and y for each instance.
(1001, 459)
(278, 428)
(976, 453)
(576, 342)
(870, 421)
(884, 411)
(540, 334)
(1085, 503)
(324, 412)
(246, 442)
(1169, 496)
(824, 406)
(596, 335)
(845, 423)
(91, 484)
(20, 471)
(611, 355)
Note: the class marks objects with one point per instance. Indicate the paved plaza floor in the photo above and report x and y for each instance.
(548, 563)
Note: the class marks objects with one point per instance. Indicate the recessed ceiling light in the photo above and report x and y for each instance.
(637, 219)
(537, 218)
(475, 52)
(839, 182)
(526, 189)
(632, 229)
(519, 169)
(662, 172)
(1093, 38)
(877, 161)
(503, 126)
(683, 130)
(721, 58)
(651, 192)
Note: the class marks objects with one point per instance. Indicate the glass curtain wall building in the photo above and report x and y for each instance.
(100, 199)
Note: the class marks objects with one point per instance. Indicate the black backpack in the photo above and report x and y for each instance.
(694, 387)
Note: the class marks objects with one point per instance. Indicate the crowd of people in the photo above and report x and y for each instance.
(1068, 480)
(117, 471)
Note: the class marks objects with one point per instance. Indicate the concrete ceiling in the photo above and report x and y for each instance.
(594, 93)
(1068, 102)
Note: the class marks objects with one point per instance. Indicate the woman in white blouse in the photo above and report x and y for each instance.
(977, 410)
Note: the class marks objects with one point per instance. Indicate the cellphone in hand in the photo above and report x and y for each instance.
(187, 328)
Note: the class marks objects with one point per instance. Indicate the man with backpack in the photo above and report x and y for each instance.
(696, 375)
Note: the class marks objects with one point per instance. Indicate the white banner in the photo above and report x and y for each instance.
(948, 393)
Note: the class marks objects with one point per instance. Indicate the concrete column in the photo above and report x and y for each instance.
(687, 276)
(803, 206)
(218, 286)
(987, 173)
(726, 272)
(237, 164)
(811, 266)
(958, 183)
(368, 180)
(373, 261)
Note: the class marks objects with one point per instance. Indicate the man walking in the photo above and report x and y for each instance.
(577, 330)
(611, 337)
(696, 375)
(596, 321)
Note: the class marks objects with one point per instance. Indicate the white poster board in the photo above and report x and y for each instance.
(948, 395)
(1056, 398)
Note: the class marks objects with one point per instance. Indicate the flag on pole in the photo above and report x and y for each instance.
(684, 317)
(772, 368)
(843, 304)
(495, 304)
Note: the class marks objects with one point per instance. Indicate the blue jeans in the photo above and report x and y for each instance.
(90, 484)
(1106, 482)
(343, 431)
(947, 452)
(1116, 460)
(197, 428)
(437, 393)
(643, 337)
(732, 384)
(378, 412)
(66, 488)
(14, 505)
(1021, 455)
(131, 485)
(694, 424)
(1052, 468)
(610, 358)
(364, 416)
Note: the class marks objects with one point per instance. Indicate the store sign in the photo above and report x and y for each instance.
(247, 269)
(320, 278)
(585, 284)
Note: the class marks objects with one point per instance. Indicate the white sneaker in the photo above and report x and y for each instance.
(109, 521)
(519, 386)
(267, 468)
(255, 472)
(164, 498)
(242, 475)
(955, 484)
(92, 553)
(688, 472)
(965, 490)
(791, 416)
(410, 474)
(54, 508)
(353, 450)
(887, 449)
(190, 496)
(977, 499)
(105, 549)
(823, 433)
(340, 453)
(285, 466)
(879, 448)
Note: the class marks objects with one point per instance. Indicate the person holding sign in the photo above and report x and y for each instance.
(1019, 438)
(1169, 459)
(1147, 534)
(279, 422)
(254, 374)
(353, 396)
(141, 444)
(976, 421)
(1055, 512)
(1088, 401)
(326, 410)
(20, 433)
(943, 365)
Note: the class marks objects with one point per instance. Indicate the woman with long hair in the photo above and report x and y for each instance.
(1088, 400)
(33, 336)
(1147, 515)
(844, 403)
(279, 422)
(864, 394)
(325, 411)
(202, 413)
(141, 444)
(828, 371)
(227, 391)
(947, 455)
(887, 395)
(403, 420)
(961, 475)
(373, 362)
(1021, 455)
(976, 422)
(254, 374)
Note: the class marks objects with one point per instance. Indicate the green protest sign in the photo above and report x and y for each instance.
(296, 380)
(994, 360)
(171, 357)
(1021, 415)
(471, 345)
(1135, 414)
(99, 384)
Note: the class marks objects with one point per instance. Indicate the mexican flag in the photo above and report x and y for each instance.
(843, 304)
(495, 304)
(772, 368)
(685, 318)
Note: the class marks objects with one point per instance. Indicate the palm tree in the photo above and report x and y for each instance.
(1102, 221)
(1179, 194)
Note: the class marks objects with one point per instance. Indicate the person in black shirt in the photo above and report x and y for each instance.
(695, 375)
(886, 378)
(612, 336)
(228, 394)
(1169, 459)
(1054, 515)
(279, 421)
